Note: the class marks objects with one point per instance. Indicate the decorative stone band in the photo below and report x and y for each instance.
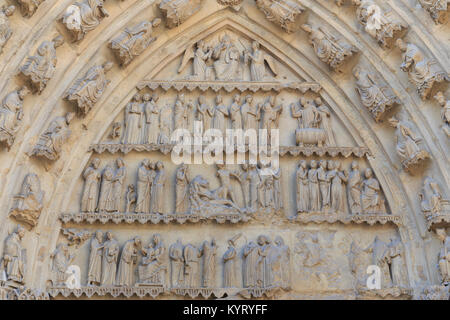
(242, 86)
(359, 152)
(144, 218)
(394, 292)
(370, 219)
(155, 291)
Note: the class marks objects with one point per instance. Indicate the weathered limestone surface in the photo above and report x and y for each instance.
(92, 93)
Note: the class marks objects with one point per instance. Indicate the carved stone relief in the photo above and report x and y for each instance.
(283, 13)
(11, 115)
(438, 9)
(40, 68)
(29, 7)
(29, 202)
(177, 12)
(445, 112)
(5, 27)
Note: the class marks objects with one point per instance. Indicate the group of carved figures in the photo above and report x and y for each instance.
(266, 264)
(261, 187)
(146, 122)
(103, 191)
(389, 257)
(228, 61)
(324, 187)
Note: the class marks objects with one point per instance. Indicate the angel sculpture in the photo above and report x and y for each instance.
(257, 62)
(201, 53)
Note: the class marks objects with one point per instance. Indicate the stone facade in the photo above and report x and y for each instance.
(95, 204)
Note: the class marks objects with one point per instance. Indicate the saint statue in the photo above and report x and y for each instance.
(11, 115)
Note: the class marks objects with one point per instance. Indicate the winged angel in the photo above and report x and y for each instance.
(227, 61)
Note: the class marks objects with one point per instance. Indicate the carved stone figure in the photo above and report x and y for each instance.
(382, 26)
(229, 267)
(271, 116)
(258, 60)
(284, 260)
(250, 255)
(431, 197)
(328, 48)
(39, 69)
(127, 261)
(95, 259)
(158, 189)
(134, 121)
(177, 263)
(324, 184)
(445, 113)
(235, 113)
(5, 28)
(209, 252)
(444, 256)
(377, 97)
(29, 7)
(221, 114)
(251, 114)
(205, 113)
(338, 190)
(88, 90)
(395, 257)
(51, 141)
(314, 189)
(372, 199)
(14, 261)
(107, 197)
(437, 9)
(200, 53)
(278, 192)
(151, 110)
(182, 190)
(145, 177)
(354, 189)
(227, 65)
(263, 265)
(191, 255)
(28, 203)
(130, 197)
(109, 262)
(152, 270)
(408, 143)
(92, 177)
(133, 42)
(254, 180)
(313, 123)
(180, 116)
(303, 191)
(11, 115)
(178, 11)
(165, 120)
(119, 184)
(83, 16)
(61, 260)
(282, 12)
(378, 251)
(423, 72)
(325, 119)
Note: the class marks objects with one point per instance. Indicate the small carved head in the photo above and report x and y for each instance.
(20, 231)
(401, 45)
(107, 66)
(302, 164)
(95, 163)
(255, 45)
(159, 165)
(330, 165)
(323, 164)
(219, 99)
(147, 97)
(99, 236)
(355, 165)
(261, 240)
(356, 72)
(120, 163)
(440, 98)
(368, 173)
(137, 242)
(69, 117)
(307, 28)
(237, 98)
(156, 22)
(156, 239)
(23, 92)
(58, 41)
(318, 101)
(181, 97)
(10, 10)
(249, 98)
(279, 241)
(137, 97)
(441, 233)
(393, 122)
(109, 235)
(313, 164)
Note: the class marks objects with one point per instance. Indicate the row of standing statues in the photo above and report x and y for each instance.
(104, 190)
(265, 263)
(324, 187)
